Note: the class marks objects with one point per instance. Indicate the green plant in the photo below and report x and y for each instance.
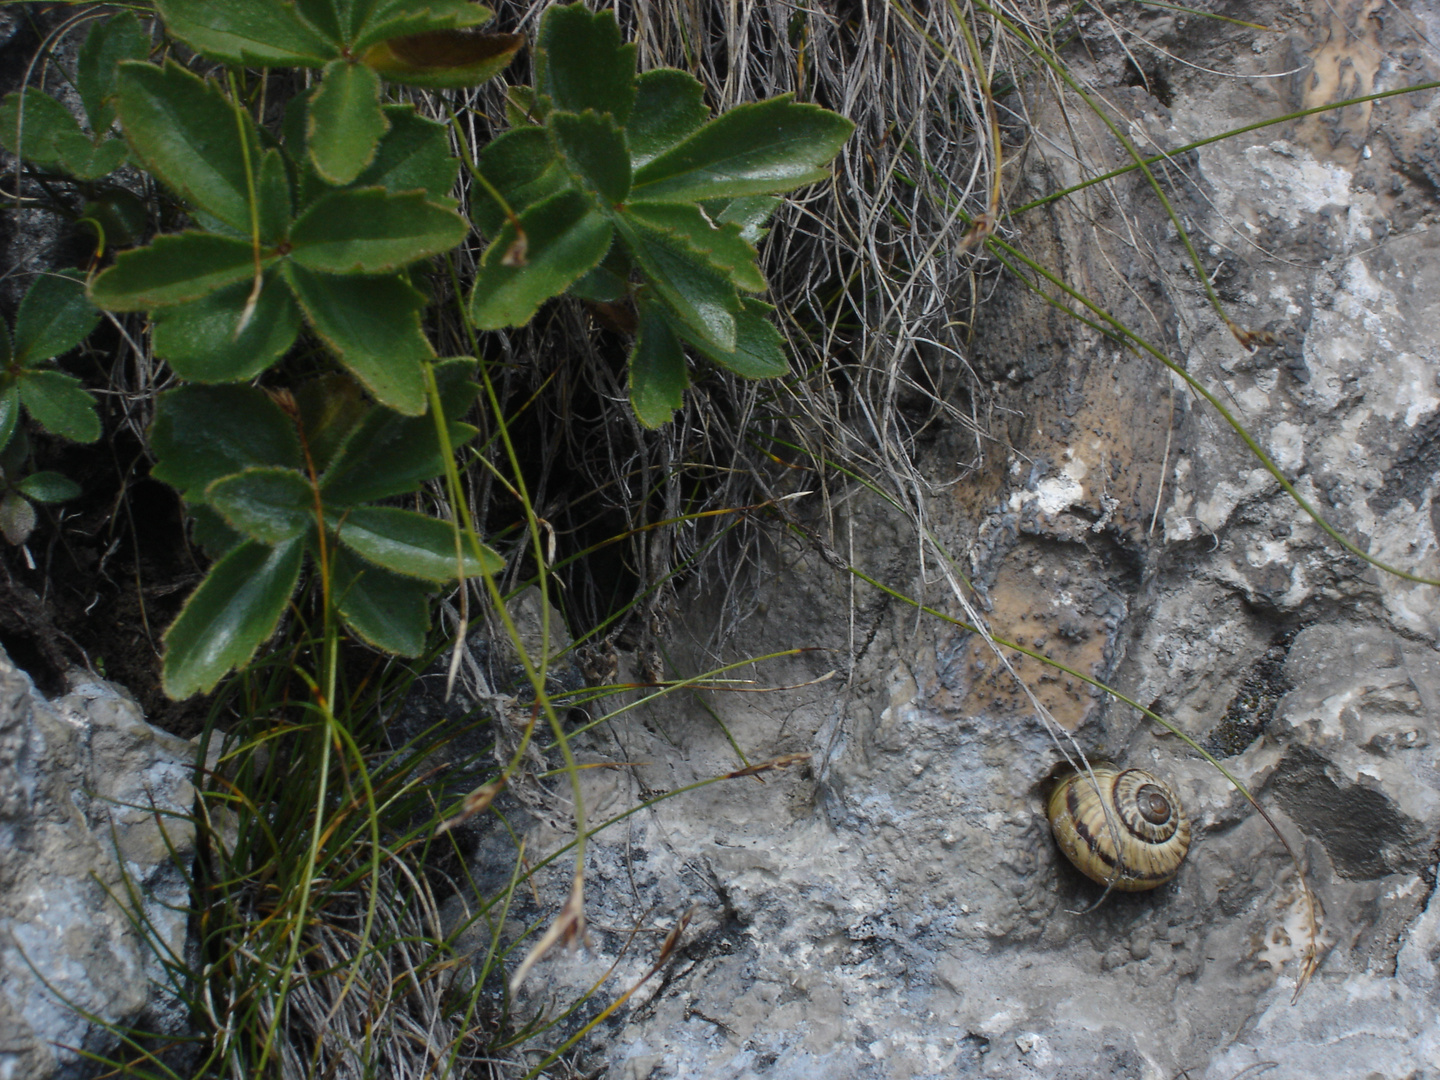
(279, 243)
(54, 317)
(20, 491)
(598, 153)
(273, 476)
(323, 225)
(39, 128)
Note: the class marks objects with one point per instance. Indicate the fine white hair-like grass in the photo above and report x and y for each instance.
(874, 285)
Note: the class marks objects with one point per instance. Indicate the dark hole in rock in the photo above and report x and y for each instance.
(1253, 706)
(31, 659)
(1153, 81)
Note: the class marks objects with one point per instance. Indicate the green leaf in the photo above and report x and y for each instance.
(762, 148)
(331, 407)
(523, 167)
(120, 37)
(54, 317)
(759, 351)
(326, 16)
(593, 150)
(521, 108)
(199, 339)
(699, 292)
(272, 198)
(750, 212)
(230, 615)
(658, 374)
(100, 160)
(14, 455)
(264, 503)
(669, 106)
(95, 161)
(369, 231)
(345, 122)
(390, 454)
(121, 217)
(17, 517)
(383, 609)
(9, 411)
(36, 127)
(48, 136)
(723, 247)
(373, 324)
(49, 487)
(201, 433)
(60, 405)
(209, 530)
(415, 153)
(395, 18)
(308, 185)
(443, 59)
(564, 237)
(411, 544)
(601, 285)
(247, 33)
(184, 130)
(175, 269)
(581, 64)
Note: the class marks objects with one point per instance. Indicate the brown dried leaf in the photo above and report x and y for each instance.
(475, 802)
(782, 762)
(568, 927)
(443, 59)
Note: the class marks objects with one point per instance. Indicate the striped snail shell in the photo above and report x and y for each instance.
(1152, 831)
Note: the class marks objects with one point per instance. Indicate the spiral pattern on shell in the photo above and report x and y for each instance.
(1152, 830)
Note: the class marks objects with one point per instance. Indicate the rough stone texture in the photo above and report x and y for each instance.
(89, 798)
(32, 239)
(896, 909)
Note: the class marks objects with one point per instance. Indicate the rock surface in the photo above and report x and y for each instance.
(896, 909)
(92, 802)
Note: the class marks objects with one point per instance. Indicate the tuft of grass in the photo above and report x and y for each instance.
(327, 849)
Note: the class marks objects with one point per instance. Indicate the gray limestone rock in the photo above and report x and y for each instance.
(93, 805)
(896, 908)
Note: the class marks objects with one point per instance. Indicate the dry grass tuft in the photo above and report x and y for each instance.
(875, 288)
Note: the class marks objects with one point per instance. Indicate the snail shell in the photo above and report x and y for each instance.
(1153, 833)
